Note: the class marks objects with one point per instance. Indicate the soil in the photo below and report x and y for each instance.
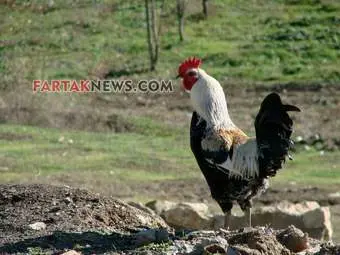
(71, 217)
(92, 224)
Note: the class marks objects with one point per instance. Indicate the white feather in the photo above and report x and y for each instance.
(244, 163)
(209, 101)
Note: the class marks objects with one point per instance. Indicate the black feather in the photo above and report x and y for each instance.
(273, 128)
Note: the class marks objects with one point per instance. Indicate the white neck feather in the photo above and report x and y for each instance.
(209, 102)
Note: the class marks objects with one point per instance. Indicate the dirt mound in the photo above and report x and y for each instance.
(64, 209)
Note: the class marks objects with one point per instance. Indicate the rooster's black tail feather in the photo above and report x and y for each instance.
(273, 131)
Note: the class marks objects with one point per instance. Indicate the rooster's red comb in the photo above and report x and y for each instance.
(188, 64)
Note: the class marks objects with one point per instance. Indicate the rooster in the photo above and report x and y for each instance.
(236, 167)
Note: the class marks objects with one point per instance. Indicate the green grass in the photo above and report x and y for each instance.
(126, 157)
(312, 168)
(262, 41)
(27, 152)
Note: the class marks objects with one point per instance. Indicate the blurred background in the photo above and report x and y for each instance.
(136, 146)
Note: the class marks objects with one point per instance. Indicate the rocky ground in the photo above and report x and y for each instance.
(41, 219)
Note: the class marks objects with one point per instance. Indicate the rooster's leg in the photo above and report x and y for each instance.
(246, 208)
(227, 217)
(200, 119)
(248, 215)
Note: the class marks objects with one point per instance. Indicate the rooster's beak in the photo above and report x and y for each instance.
(178, 76)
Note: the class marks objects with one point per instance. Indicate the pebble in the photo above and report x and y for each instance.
(37, 225)
(71, 252)
(151, 236)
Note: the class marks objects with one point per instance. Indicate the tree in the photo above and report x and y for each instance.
(205, 8)
(180, 16)
(152, 33)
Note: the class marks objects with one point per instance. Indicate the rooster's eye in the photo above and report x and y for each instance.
(192, 73)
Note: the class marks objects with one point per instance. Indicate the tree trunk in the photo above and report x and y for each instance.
(205, 8)
(152, 33)
(180, 17)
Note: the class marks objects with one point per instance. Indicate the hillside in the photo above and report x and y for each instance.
(245, 42)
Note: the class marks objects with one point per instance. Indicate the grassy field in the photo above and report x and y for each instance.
(263, 41)
(31, 154)
(246, 42)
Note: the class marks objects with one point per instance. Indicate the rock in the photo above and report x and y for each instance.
(213, 249)
(145, 237)
(201, 233)
(318, 223)
(299, 139)
(160, 206)
(232, 251)
(307, 148)
(334, 195)
(311, 250)
(188, 216)
(308, 216)
(71, 252)
(204, 245)
(293, 239)
(183, 247)
(68, 200)
(206, 241)
(295, 209)
(151, 236)
(37, 226)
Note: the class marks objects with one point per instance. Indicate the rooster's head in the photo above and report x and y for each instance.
(189, 72)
